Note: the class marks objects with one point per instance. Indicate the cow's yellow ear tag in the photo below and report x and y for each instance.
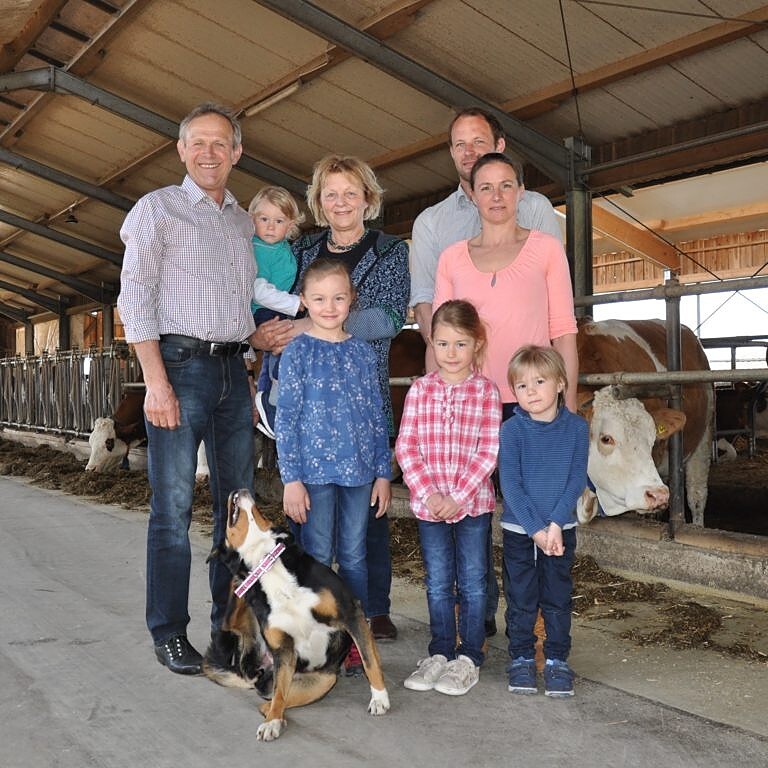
(660, 429)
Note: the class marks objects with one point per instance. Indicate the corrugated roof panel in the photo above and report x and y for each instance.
(477, 52)
(33, 196)
(83, 139)
(664, 96)
(404, 109)
(172, 58)
(602, 117)
(653, 22)
(730, 72)
(406, 181)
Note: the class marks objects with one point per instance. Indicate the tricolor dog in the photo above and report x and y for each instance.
(304, 611)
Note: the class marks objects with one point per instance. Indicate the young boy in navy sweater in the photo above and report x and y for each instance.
(542, 472)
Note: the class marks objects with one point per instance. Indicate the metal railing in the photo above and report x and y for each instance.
(66, 391)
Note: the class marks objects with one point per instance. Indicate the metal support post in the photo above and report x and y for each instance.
(578, 219)
(675, 446)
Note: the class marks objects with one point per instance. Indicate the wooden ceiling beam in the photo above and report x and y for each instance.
(633, 238)
(718, 216)
(547, 99)
(11, 53)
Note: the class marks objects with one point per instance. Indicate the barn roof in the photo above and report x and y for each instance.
(91, 92)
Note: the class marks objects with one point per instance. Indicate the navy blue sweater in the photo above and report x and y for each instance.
(542, 469)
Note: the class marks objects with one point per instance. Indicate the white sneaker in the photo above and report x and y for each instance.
(458, 677)
(427, 672)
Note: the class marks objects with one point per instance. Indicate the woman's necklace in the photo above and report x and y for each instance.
(344, 248)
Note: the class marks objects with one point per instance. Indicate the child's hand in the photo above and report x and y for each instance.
(296, 501)
(381, 495)
(434, 503)
(555, 540)
(541, 540)
(448, 510)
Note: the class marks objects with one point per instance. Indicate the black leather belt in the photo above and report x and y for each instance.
(212, 348)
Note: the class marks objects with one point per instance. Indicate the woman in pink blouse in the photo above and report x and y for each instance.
(517, 278)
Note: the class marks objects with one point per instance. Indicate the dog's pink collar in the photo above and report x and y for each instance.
(269, 560)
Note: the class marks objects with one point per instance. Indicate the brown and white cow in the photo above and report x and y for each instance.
(112, 437)
(628, 438)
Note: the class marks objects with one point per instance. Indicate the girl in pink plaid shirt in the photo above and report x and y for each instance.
(447, 448)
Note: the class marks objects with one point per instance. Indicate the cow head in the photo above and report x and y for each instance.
(622, 437)
(107, 450)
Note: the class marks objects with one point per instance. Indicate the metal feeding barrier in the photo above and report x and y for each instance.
(64, 392)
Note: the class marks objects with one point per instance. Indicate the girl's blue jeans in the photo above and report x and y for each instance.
(455, 560)
(337, 522)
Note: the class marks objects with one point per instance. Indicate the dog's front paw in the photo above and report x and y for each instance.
(270, 730)
(379, 703)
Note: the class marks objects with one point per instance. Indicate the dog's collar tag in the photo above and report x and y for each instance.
(269, 560)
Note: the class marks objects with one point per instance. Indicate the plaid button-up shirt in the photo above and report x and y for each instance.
(188, 267)
(448, 443)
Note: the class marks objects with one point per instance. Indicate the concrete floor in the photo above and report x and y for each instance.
(79, 685)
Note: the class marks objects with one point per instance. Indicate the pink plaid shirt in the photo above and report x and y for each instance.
(448, 443)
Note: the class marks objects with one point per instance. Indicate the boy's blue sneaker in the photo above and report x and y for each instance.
(522, 676)
(558, 679)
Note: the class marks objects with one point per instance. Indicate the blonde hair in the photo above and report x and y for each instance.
(546, 361)
(282, 199)
(462, 315)
(352, 166)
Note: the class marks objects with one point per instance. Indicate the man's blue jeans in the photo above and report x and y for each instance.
(456, 559)
(534, 580)
(337, 522)
(215, 406)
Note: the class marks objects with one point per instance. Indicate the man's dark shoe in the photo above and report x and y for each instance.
(179, 656)
(383, 629)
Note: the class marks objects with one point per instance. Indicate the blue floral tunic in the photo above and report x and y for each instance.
(331, 426)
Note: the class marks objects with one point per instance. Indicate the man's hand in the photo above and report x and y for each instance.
(161, 406)
(273, 335)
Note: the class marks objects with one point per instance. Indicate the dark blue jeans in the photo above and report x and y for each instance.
(379, 561)
(336, 524)
(456, 563)
(536, 581)
(215, 406)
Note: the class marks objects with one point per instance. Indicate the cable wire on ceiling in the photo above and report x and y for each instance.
(670, 11)
(574, 89)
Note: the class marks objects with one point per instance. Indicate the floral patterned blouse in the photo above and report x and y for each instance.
(331, 426)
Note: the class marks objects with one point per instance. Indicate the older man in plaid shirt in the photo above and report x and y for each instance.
(185, 298)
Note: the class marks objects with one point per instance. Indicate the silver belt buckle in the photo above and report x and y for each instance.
(216, 349)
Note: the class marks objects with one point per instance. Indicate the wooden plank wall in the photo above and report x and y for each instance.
(727, 256)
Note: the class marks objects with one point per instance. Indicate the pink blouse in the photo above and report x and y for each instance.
(528, 302)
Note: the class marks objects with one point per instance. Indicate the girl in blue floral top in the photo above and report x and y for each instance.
(331, 428)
